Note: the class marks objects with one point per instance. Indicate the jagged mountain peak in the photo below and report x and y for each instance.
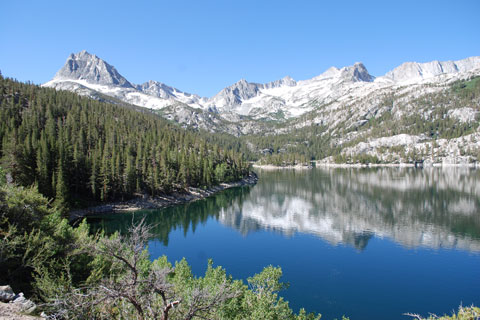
(89, 67)
(278, 100)
(235, 94)
(285, 81)
(84, 54)
(156, 84)
(354, 73)
(411, 71)
(157, 89)
(243, 89)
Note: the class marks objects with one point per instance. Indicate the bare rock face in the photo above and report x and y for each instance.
(285, 81)
(414, 71)
(356, 73)
(157, 89)
(85, 66)
(235, 94)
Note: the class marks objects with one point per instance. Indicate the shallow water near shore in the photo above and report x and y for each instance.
(369, 243)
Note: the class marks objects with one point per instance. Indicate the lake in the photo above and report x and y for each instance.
(369, 243)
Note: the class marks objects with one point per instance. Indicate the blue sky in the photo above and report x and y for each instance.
(202, 46)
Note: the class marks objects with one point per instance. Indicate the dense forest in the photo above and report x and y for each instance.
(78, 149)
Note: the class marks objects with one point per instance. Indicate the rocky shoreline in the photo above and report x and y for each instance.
(320, 164)
(274, 167)
(161, 201)
(395, 165)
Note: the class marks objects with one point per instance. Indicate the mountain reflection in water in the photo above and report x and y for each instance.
(432, 207)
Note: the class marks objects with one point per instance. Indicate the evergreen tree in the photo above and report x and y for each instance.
(77, 148)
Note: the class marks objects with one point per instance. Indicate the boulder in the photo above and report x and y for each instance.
(6, 293)
(26, 306)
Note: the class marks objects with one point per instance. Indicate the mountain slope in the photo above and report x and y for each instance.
(413, 71)
(334, 112)
(278, 100)
(86, 74)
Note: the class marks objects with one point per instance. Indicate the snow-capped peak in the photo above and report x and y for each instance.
(414, 71)
(354, 73)
(285, 81)
(284, 98)
(235, 94)
(158, 89)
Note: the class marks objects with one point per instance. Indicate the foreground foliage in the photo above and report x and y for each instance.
(464, 313)
(35, 240)
(126, 284)
(80, 276)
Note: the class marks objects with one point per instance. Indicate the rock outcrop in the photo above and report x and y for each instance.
(6, 293)
(92, 69)
(18, 302)
(411, 71)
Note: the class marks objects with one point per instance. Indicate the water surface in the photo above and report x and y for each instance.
(367, 243)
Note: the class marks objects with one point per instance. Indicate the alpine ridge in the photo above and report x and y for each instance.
(411, 71)
(349, 110)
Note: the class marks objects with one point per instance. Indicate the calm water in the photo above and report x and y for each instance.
(367, 243)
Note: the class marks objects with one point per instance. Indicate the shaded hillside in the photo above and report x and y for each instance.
(78, 148)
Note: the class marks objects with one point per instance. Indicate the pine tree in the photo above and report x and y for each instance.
(61, 191)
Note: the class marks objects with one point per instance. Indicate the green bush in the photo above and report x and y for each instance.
(464, 313)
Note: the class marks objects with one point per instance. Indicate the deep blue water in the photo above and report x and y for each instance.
(365, 243)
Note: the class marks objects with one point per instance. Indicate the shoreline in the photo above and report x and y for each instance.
(368, 165)
(274, 167)
(397, 165)
(161, 201)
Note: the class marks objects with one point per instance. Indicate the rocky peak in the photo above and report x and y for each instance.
(234, 95)
(285, 81)
(356, 73)
(238, 92)
(88, 67)
(417, 71)
(157, 89)
(332, 72)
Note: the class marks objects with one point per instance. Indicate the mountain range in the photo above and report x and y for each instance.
(342, 101)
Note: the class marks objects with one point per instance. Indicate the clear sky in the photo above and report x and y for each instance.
(201, 46)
